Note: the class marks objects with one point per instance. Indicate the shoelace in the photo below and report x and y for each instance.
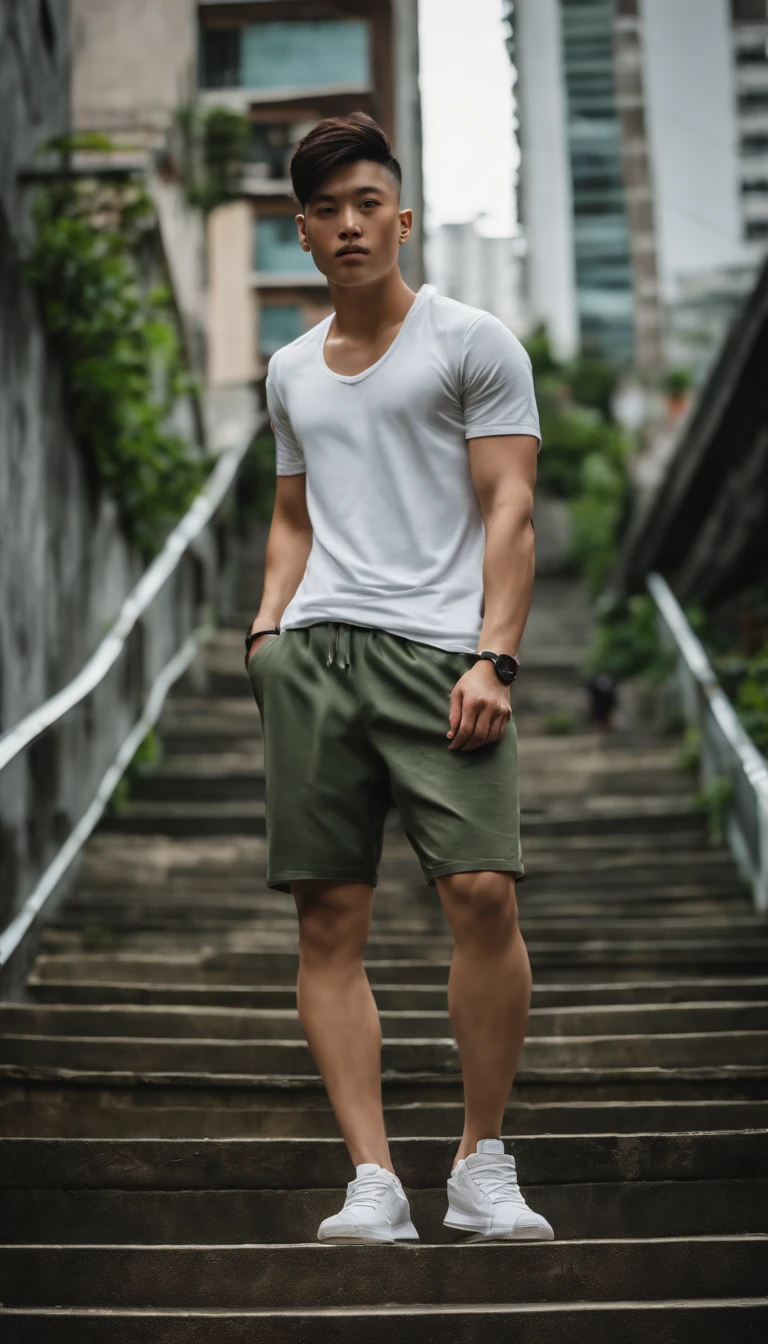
(497, 1180)
(368, 1190)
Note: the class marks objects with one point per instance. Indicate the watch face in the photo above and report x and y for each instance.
(506, 667)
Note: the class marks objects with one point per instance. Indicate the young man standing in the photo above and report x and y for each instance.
(400, 548)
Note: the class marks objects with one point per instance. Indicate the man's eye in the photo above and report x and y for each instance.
(370, 202)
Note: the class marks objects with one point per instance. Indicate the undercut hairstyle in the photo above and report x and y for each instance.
(337, 141)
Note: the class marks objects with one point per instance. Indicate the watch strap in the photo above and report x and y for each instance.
(273, 630)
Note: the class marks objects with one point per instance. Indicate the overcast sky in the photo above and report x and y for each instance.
(466, 100)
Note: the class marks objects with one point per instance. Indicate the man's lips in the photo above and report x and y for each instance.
(352, 252)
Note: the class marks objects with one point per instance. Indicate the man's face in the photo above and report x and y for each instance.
(353, 225)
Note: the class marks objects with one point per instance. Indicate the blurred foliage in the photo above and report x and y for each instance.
(145, 762)
(678, 381)
(715, 800)
(559, 723)
(585, 455)
(119, 349)
(690, 752)
(745, 681)
(78, 140)
(217, 146)
(626, 642)
(256, 482)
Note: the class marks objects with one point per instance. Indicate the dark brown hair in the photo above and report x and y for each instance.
(337, 141)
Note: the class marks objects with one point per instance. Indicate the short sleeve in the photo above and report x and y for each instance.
(497, 382)
(288, 451)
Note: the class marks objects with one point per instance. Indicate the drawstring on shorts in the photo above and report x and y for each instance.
(336, 628)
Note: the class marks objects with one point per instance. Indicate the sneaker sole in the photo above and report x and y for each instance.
(479, 1232)
(407, 1232)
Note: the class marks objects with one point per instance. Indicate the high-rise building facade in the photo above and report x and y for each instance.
(286, 65)
(643, 191)
(481, 270)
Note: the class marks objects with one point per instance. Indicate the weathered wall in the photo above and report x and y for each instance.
(65, 566)
(133, 64)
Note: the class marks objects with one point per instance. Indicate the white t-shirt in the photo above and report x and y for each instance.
(398, 536)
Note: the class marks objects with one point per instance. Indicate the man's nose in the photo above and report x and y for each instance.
(349, 225)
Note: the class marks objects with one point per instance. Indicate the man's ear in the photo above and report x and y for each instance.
(301, 224)
(406, 225)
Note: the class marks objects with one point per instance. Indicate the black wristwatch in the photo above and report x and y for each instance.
(274, 630)
(506, 664)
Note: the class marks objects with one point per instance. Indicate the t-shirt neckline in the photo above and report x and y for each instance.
(421, 294)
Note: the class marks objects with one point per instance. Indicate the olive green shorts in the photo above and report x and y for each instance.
(355, 720)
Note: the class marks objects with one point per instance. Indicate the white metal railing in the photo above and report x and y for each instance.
(726, 751)
(187, 536)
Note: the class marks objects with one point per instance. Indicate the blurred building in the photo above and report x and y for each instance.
(642, 186)
(750, 55)
(286, 65)
(482, 271)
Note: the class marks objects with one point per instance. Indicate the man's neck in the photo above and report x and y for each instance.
(363, 311)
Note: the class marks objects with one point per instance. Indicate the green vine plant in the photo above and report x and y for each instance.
(215, 148)
(118, 346)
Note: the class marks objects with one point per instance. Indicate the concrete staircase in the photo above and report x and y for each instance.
(168, 1151)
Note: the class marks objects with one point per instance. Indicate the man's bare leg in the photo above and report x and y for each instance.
(489, 993)
(337, 1010)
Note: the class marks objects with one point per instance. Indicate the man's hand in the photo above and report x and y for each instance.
(480, 708)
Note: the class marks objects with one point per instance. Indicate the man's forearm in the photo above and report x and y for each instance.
(508, 573)
(286, 558)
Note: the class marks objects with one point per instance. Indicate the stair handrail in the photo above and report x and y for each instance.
(180, 541)
(199, 514)
(727, 751)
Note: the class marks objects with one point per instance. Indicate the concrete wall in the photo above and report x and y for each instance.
(133, 63)
(407, 138)
(34, 92)
(65, 566)
(231, 304)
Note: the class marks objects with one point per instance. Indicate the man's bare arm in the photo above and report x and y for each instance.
(288, 546)
(504, 476)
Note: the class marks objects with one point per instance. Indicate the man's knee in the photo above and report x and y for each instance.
(334, 918)
(480, 905)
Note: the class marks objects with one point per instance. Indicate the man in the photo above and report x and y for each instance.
(401, 544)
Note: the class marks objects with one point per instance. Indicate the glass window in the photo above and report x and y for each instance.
(757, 228)
(272, 144)
(755, 144)
(220, 58)
(277, 247)
(305, 52)
(753, 55)
(755, 100)
(279, 324)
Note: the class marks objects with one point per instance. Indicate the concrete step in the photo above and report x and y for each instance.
(41, 989)
(69, 1111)
(725, 1082)
(323, 1164)
(585, 960)
(720, 1321)
(404, 1054)
(315, 1276)
(195, 818)
(245, 1024)
(276, 969)
(585, 1211)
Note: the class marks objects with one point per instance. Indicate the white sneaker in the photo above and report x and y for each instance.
(484, 1198)
(375, 1209)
